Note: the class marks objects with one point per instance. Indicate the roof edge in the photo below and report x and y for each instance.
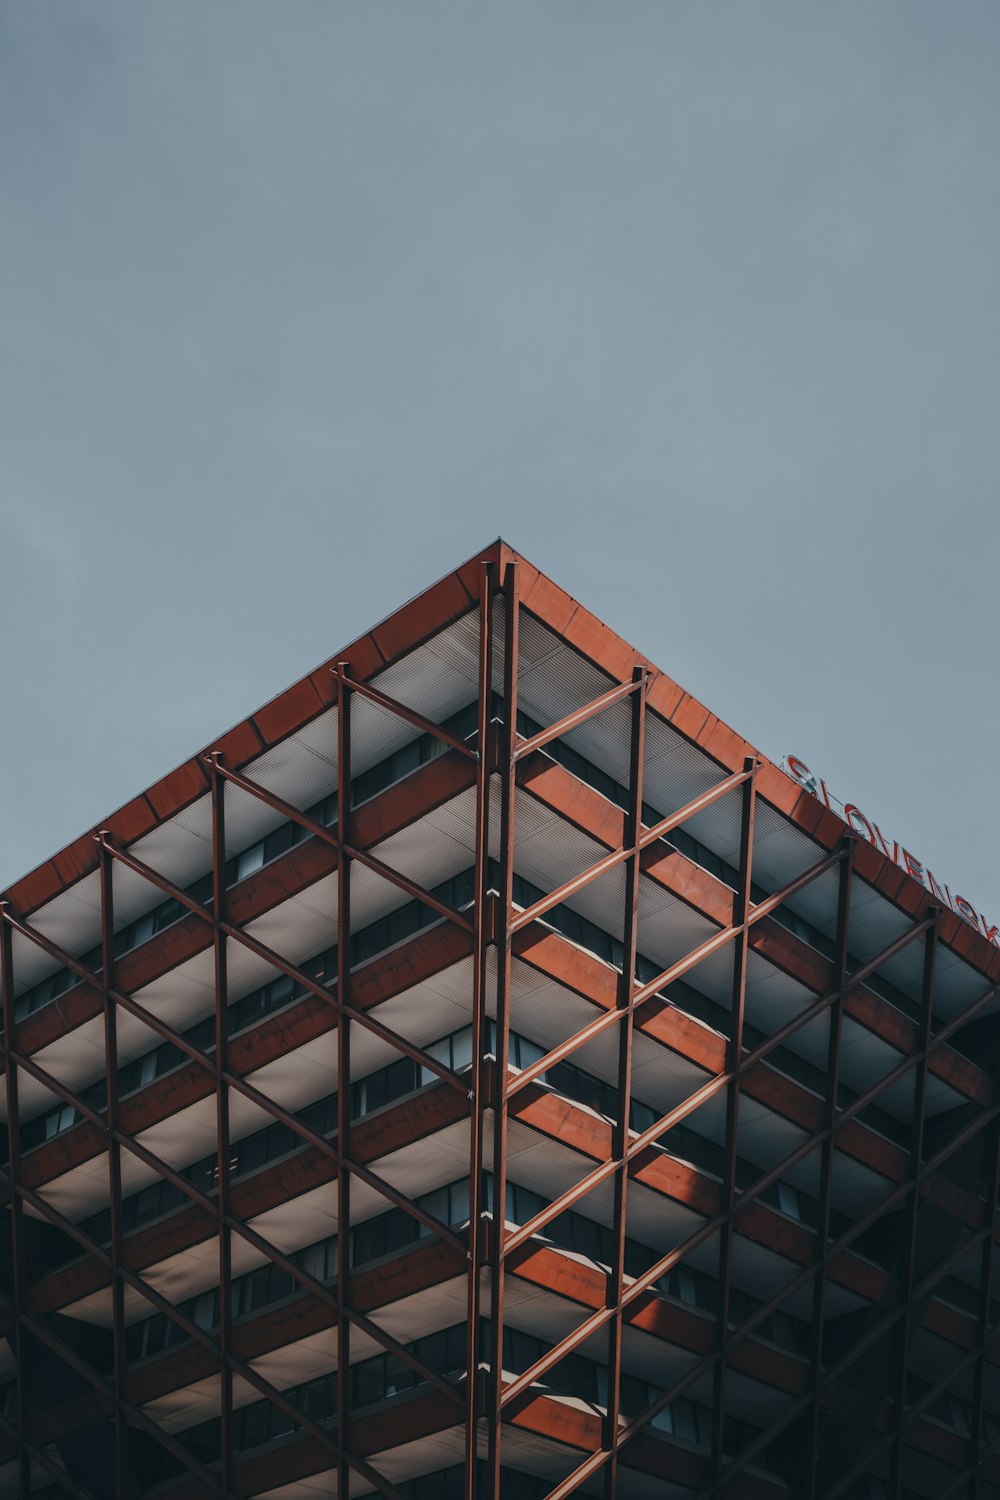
(393, 637)
(407, 627)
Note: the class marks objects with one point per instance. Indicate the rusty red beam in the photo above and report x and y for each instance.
(894, 1315)
(135, 1414)
(696, 805)
(615, 1283)
(694, 1101)
(377, 866)
(570, 888)
(18, 1265)
(580, 716)
(911, 1415)
(480, 1028)
(902, 1350)
(596, 1459)
(114, 1171)
(709, 897)
(344, 864)
(285, 1117)
(504, 934)
(277, 961)
(611, 861)
(830, 1108)
(220, 957)
(401, 710)
(676, 971)
(734, 1055)
(610, 1314)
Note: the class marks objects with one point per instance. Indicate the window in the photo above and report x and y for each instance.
(204, 1309)
(250, 860)
(788, 1201)
(60, 1119)
(687, 1288)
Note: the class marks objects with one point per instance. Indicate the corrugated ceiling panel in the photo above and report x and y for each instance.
(298, 1077)
(817, 902)
(173, 851)
(956, 985)
(77, 1193)
(435, 848)
(782, 852)
(898, 1098)
(759, 1270)
(905, 971)
(875, 922)
(186, 993)
(547, 849)
(67, 1058)
(297, 926)
(458, 648)
(189, 1135)
(190, 1405)
(291, 1364)
(675, 772)
(605, 740)
(718, 827)
(864, 1059)
(539, 646)
(670, 932)
(72, 919)
(442, 1157)
(765, 1138)
(805, 1175)
(440, 1306)
(856, 1189)
(773, 998)
(429, 1010)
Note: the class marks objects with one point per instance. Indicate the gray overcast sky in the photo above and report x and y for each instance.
(696, 304)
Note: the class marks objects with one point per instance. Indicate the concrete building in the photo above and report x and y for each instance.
(746, 1141)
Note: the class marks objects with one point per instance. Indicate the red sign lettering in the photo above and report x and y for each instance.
(860, 824)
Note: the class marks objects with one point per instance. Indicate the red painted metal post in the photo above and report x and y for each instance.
(18, 1267)
(114, 1167)
(223, 1164)
(734, 1054)
(986, 1282)
(902, 1352)
(580, 716)
(343, 1080)
(480, 1030)
(830, 1107)
(620, 1133)
(506, 883)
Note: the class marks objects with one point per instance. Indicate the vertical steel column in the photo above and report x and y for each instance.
(343, 1078)
(826, 1161)
(992, 1191)
(480, 1030)
(620, 1133)
(506, 881)
(906, 1289)
(223, 1164)
(734, 1052)
(114, 1161)
(16, 1223)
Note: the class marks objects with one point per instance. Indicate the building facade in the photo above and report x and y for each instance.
(277, 1225)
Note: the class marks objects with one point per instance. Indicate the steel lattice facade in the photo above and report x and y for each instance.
(746, 1142)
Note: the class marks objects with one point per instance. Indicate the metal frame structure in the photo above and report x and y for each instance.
(485, 1402)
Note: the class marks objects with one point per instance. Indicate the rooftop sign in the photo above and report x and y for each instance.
(892, 849)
